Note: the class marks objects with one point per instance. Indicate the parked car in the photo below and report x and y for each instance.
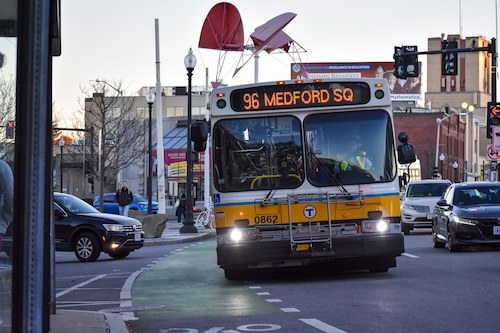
(418, 202)
(468, 214)
(81, 228)
(111, 206)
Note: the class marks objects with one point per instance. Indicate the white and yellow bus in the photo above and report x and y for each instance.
(285, 190)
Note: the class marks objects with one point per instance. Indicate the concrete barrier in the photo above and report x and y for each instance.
(152, 225)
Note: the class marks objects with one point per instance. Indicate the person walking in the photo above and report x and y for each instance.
(124, 198)
(181, 208)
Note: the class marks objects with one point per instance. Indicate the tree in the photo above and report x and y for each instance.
(7, 113)
(118, 129)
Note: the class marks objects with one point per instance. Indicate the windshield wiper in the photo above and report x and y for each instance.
(331, 174)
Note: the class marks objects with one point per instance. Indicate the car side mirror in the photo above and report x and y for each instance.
(59, 213)
(442, 202)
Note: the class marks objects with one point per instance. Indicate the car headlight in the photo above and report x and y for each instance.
(408, 206)
(461, 220)
(113, 227)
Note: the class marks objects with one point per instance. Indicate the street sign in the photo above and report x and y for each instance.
(492, 154)
(495, 137)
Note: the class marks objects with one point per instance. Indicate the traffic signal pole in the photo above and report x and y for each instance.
(404, 59)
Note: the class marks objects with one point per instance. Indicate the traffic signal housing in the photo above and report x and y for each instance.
(9, 129)
(199, 135)
(449, 60)
(493, 118)
(406, 65)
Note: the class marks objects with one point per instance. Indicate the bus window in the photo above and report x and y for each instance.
(257, 153)
(349, 148)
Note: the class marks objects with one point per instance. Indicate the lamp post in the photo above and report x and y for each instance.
(150, 98)
(188, 222)
(441, 158)
(438, 122)
(61, 144)
(469, 109)
(455, 166)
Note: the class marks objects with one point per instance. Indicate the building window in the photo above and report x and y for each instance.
(175, 111)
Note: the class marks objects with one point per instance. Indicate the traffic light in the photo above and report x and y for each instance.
(406, 65)
(449, 59)
(493, 118)
(199, 135)
(9, 129)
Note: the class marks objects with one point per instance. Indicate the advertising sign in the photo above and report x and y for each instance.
(401, 89)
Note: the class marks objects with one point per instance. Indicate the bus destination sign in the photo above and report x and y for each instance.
(291, 96)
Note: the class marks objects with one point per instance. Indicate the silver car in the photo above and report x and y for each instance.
(418, 202)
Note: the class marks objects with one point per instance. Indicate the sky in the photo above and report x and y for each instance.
(114, 40)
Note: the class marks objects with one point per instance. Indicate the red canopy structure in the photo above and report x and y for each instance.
(271, 35)
(223, 31)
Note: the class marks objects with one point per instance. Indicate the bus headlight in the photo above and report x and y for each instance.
(236, 235)
(375, 226)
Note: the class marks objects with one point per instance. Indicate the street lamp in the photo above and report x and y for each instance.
(441, 158)
(455, 166)
(150, 98)
(61, 144)
(469, 109)
(188, 222)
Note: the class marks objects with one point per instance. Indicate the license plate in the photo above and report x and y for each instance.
(308, 229)
(137, 237)
(496, 230)
(429, 216)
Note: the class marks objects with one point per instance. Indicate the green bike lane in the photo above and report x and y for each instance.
(189, 284)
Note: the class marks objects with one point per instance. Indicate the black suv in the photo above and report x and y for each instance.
(81, 228)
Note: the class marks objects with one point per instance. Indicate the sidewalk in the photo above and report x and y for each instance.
(67, 321)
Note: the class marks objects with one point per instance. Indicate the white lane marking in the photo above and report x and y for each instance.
(273, 300)
(255, 287)
(321, 325)
(289, 310)
(410, 255)
(66, 291)
(263, 293)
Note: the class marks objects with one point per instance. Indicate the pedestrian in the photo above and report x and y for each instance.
(181, 207)
(124, 198)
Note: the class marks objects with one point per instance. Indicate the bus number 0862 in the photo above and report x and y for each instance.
(262, 219)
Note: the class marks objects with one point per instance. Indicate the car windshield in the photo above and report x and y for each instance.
(74, 204)
(426, 190)
(138, 198)
(477, 196)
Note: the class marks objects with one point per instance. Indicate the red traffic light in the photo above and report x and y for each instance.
(10, 124)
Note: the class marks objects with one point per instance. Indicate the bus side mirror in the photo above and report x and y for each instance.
(406, 151)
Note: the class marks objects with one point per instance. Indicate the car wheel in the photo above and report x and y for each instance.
(435, 242)
(87, 247)
(119, 254)
(452, 245)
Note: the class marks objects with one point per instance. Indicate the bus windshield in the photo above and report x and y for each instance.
(346, 148)
(257, 153)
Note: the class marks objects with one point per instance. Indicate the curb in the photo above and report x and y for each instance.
(184, 238)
